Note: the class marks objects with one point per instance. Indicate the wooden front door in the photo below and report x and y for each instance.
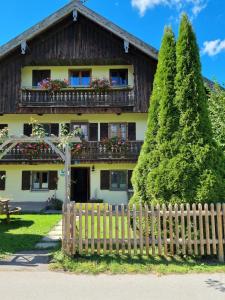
(80, 184)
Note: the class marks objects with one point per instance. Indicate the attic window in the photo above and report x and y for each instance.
(39, 75)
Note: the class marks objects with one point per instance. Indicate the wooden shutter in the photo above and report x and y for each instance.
(132, 131)
(104, 130)
(93, 132)
(26, 180)
(27, 129)
(2, 126)
(2, 180)
(129, 176)
(52, 180)
(54, 129)
(105, 177)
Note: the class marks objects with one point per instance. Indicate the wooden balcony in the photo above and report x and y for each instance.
(77, 98)
(81, 152)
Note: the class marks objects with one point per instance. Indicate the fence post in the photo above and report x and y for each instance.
(220, 233)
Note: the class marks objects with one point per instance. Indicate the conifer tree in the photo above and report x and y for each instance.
(160, 125)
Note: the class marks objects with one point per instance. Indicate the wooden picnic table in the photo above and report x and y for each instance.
(5, 208)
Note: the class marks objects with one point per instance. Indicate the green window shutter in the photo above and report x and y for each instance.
(53, 180)
(104, 180)
(104, 131)
(93, 132)
(26, 180)
(132, 131)
(27, 129)
(2, 180)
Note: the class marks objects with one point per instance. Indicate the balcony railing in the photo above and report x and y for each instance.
(94, 151)
(77, 98)
(87, 151)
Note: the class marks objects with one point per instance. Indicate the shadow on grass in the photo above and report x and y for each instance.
(14, 223)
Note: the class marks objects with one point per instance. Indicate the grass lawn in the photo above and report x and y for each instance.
(24, 231)
(113, 264)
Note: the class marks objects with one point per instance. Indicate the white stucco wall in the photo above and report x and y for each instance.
(14, 191)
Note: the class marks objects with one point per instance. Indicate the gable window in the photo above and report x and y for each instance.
(80, 78)
(118, 130)
(119, 77)
(39, 75)
(40, 180)
(118, 180)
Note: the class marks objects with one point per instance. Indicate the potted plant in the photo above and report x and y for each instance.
(100, 84)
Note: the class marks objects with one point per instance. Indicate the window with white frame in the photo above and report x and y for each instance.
(118, 130)
(40, 180)
(118, 180)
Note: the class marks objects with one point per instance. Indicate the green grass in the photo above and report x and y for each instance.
(24, 231)
(113, 264)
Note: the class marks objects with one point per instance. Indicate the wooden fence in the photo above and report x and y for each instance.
(173, 230)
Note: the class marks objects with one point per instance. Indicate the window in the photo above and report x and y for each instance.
(119, 77)
(39, 75)
(80, 78)
(118, 180)
(40, 180)
(118, 130)
(52, 128)
(84, 129)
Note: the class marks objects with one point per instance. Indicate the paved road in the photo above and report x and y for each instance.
(28, 285)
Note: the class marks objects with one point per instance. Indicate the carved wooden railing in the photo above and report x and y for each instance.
(86, 151)
(94, 151)
(77, 98)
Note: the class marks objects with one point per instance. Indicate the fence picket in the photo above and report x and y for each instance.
(134, 230)
(171, 229)
(92, 230)
(98, 229)
(117, 230)
(122, 229)
(75, 231)
(207, 235)
(183, 230)
(189, 229)
(159, 239)
(80, 230)
(153, 229)
(176, 229)
(110, 230)
(195, 229)
(164, 229)
(140, 230)
(104, 230)
(201, 230)
(86, 228)
(128, 230)
(213, 229)
(219, 233)
(146, 231)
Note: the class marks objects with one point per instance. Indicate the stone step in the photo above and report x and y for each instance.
(53, 238)
(46, 245)
(55, 232)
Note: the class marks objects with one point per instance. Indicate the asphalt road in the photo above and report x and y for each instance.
(28, 285)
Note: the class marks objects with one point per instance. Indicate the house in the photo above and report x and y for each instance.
(80, 46)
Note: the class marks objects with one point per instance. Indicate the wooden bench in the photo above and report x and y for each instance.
(6, 210)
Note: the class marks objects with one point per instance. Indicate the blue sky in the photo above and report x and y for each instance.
(143, 18)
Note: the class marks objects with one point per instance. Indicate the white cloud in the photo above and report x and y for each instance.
(213, 48)
(196, 6)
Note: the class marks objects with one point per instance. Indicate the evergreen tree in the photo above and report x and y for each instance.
(195, 171)
(160, 125)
